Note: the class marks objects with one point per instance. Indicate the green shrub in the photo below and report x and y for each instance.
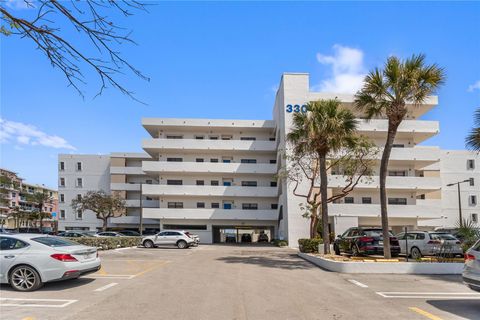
(280, 243)
(309, 245)
(107, 243)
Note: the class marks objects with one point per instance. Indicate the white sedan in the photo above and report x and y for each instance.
(27, 261)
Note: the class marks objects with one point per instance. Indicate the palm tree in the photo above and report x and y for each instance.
(325, 128)
(40, 199)
(473, 139)
(386, 93)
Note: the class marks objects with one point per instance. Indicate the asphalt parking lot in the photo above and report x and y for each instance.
(237, 282)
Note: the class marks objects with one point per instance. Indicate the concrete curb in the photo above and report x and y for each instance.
(384, 267)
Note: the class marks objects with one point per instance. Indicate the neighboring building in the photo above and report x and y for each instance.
(218, 178)
(17, 194)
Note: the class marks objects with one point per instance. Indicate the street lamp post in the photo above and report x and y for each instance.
(459, 198)
(141, 209)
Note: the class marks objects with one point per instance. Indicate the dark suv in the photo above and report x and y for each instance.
(358, 241)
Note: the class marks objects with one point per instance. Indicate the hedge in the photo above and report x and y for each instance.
(106, 243)
(280, 243)
(309, 245)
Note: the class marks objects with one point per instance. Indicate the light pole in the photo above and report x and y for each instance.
(141, 209)
(459, 198)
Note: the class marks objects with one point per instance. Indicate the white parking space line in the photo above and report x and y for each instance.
(355, 282)
(112, 276)
(43, 303)
(113, 284)
(430, 295)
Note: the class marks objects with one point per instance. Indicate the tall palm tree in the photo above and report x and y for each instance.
(325, 128)
(473, 139)
(386, 93)
(41, 199)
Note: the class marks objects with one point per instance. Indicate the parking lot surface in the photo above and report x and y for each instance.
(237, 282)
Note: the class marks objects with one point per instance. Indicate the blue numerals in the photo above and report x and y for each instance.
(296, 108)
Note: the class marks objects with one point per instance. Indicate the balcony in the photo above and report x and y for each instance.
(131, 220)
(153, 146)
(418, 130)
(153, 167)
(204, 214)
(424, 184)
(125, 187)
(212, 191)
(419, 154)
(424, 209)
(126, 170)
(135, 203)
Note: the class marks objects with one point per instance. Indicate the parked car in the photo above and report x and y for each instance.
(109, 234)
(471, 271)
(246, 237)
(27, 261)
(168, 238)
(29, 230)
(364, 241)
(129, 233)
(230, 238)
(263, 237)
(76, 234)
(421, 243)
(194, 237)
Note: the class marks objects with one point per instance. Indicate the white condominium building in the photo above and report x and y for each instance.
(218, 178)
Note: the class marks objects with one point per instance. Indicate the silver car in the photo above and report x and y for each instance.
(423, 243)
(27, 261)
(169, 238)
(471, 271)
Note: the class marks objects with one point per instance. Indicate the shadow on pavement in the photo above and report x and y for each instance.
(286, 261)
(55, 286)
(465, 308)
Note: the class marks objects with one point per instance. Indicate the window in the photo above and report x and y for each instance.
(213, 160)
(11, 244)
(79, 182)
(227, 183)
(472, 182)
(397, 173)
(475, 217)
(174, 159)
(148, 181)
(249, 183)
(226, 160)
(174, 137)
(175, 205)
(271, 139)
(199, 137)
(79, 197)
(248, 138)
(79, 215)
(213, 137)
(199, 160)
(225, 137)
(200, 204)
(215, 205)
(274, 206)
(349, 200)
(200, 183)
(470, 164)
(62, 197)
(62, 214)
(185, 226)
(398, 145)
(273, 161)
(472, 200)
(79, 166)
(214, 182)
(249, 206)
(366, 200)
(397, 201)
(62, 182)
(227, 205)
(62, 166)
(174, 182)
(273, 183)
(248, 161)
(148, 198)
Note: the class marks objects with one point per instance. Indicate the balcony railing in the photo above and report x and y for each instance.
(154, 145)
(126, 170)
(400, 183)
(216, 191)
(125, 186)
(208, 167)
(220, 214)
(134, 203)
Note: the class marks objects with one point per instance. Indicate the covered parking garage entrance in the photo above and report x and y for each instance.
(242, 234)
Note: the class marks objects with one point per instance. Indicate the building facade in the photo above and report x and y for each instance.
(220, 178)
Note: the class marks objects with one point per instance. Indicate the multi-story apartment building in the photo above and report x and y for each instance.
(220, 177)
(18, 195)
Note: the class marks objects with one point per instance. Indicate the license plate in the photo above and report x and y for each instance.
(380, 243)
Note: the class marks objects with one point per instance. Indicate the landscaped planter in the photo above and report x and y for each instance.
(384, 267)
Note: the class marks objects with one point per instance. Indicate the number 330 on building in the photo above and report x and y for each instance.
(296, 108)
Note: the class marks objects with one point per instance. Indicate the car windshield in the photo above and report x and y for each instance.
(55, 242)
(374, 233)
(443, 236)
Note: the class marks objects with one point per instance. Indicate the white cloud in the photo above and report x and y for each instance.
(475, 86)
(347, 73)
(27, 134)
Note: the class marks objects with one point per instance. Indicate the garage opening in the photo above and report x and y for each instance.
(242, 234)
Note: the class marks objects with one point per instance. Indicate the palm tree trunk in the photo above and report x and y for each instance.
(392, 131)
(324, 204)
(313, 222)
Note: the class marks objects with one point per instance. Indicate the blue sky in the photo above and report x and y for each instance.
(223, 60)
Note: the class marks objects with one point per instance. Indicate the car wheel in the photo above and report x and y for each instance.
(148, 244)
(181, 244)
(336, 249)
(25, 278)
(355, 251)
(415, 253)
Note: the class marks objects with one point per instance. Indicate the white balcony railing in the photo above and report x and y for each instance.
(214, 191)
(208, 167)
(381, 125)
(220, 214)
(154, 145)
(135, 203)
(127, 170)
(125, 187)
(400, 183)
(427, 154)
